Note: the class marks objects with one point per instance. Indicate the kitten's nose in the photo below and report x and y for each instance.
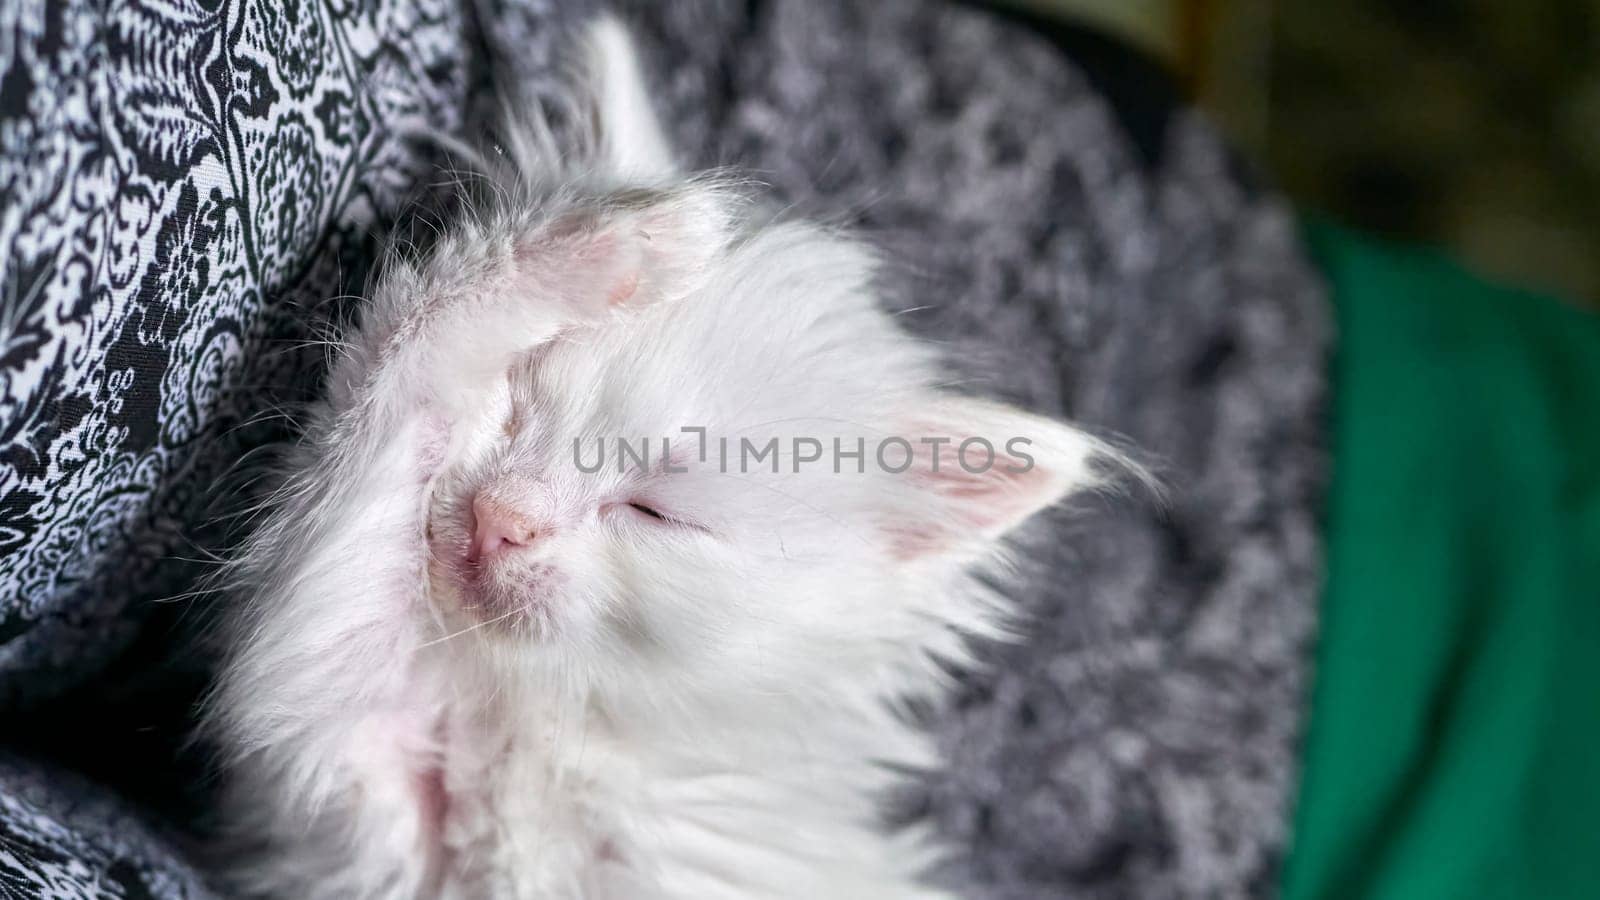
(497, 528)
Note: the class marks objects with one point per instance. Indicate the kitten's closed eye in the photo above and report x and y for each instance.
(648, 514)
(647, 511)
(639, 509)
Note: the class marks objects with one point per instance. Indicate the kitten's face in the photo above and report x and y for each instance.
(797, 510)
(548, 529)
(692, 552)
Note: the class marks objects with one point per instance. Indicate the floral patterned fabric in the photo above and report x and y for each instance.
(61, 839)
(179, 181)
(184, 185)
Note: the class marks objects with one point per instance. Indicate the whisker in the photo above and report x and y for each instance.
(472, 628)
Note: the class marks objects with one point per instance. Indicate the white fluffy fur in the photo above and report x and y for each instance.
(701, 708)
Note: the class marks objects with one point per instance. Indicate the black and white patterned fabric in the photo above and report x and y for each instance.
(184, 186)
(61, 839)
(177, 178)
(189, 187)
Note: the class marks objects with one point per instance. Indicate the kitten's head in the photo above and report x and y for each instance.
(750, 469)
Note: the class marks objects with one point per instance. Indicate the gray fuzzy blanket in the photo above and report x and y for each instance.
(1081, 260)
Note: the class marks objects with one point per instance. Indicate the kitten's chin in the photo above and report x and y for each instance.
(523, 604)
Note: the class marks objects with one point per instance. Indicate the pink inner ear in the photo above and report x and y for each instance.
(986, 497)
(582, 262)
(908, 542)
(979, 503)
(624, 290)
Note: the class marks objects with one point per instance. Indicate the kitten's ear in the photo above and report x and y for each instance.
(641, 247)
(630, 141)
(660, 234)
(978, 470)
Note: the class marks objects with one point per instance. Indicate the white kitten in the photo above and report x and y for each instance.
(469, 664)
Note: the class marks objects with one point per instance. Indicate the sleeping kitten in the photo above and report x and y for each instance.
(627, 524)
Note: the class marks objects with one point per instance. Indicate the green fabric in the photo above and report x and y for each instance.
(1454, 743)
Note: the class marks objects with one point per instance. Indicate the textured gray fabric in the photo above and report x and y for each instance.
(1141, 741)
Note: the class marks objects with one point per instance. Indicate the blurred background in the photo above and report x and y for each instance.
(1473, 125)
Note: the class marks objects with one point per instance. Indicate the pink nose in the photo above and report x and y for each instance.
(497, 528)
